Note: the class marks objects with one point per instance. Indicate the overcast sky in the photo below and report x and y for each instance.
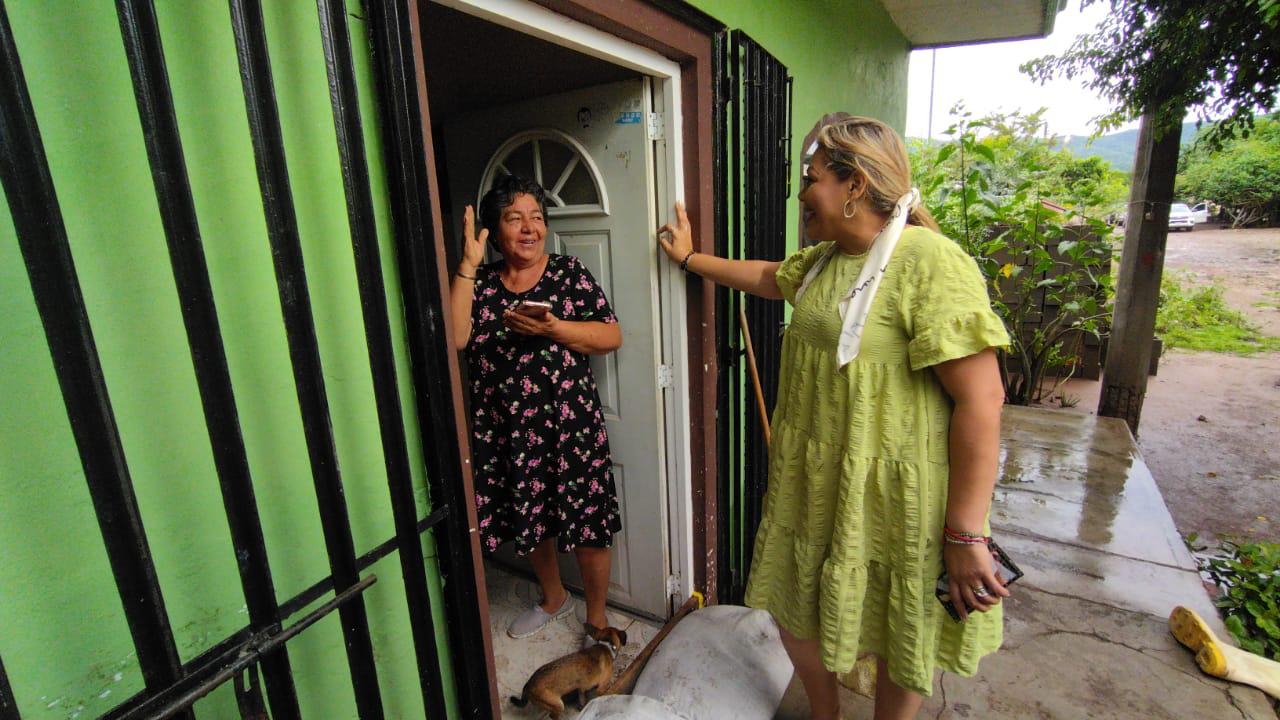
(986, 78)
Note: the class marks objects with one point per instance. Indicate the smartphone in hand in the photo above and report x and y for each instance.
(1004, 567)
(532, 308)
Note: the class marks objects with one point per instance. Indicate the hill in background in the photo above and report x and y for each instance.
(1117, 148)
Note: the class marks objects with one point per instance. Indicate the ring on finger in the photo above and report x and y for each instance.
(980, 591)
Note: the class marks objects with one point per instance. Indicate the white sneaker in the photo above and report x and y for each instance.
(531, 621)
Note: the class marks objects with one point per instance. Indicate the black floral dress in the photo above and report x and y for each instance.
(539, 448)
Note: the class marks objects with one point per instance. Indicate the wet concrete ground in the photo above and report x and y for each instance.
(1085, 631)
(1220, 475)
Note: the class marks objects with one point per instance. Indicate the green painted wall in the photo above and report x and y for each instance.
(64, 640)
(844, 55)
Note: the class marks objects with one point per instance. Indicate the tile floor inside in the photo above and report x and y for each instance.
(515, 660)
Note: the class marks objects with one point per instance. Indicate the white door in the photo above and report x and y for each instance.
(590, 150)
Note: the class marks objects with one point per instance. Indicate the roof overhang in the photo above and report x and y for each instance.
(942, 23)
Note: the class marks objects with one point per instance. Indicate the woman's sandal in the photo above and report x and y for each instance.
(1221, 660)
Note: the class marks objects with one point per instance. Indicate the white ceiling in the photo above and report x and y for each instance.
(932, 23)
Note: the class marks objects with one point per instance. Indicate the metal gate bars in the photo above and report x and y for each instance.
(171, 686)
(753, 167)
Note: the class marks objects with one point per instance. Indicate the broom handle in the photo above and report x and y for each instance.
(755, 376)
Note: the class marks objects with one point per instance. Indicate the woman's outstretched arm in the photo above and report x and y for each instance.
(753, 276)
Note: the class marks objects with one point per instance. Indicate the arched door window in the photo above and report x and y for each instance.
(560, 164)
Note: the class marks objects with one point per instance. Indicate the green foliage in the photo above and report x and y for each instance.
(1270, 11)
(1243, 174)
(1013, 146)
(1197, 318)
(986, 191)
(1249, 576)
(1213, 58)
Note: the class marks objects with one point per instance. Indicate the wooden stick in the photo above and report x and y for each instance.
(626, 680)
(755, 376)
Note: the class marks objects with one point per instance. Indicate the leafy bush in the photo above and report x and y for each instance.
(986, 193)
(1243, 175)
(1249, 576)
(1194, 317)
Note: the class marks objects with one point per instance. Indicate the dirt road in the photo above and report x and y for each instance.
(1210, 427)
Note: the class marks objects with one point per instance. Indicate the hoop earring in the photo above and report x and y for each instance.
(846, 211)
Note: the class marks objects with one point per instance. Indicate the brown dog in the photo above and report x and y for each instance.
(574, 673)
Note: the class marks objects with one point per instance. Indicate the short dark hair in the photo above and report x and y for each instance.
(502, 195)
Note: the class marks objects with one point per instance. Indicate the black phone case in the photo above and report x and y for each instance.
(1003, 565)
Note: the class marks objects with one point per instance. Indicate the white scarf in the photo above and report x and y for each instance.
(855, 305)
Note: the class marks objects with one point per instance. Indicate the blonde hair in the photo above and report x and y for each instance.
(875, 151)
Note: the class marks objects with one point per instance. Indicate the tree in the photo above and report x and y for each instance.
(1243, 175)
(1212, 58)
(1160, 59)
(1091, 185)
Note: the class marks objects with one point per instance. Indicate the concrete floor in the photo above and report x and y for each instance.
(515, 660)
(1085, 630)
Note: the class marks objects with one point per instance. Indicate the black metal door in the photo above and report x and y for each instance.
(753, 164)
(171, 687)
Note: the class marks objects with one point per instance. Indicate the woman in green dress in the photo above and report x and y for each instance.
(886, 432)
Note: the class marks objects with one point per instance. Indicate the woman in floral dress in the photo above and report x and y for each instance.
(540, 452)
(886, 433)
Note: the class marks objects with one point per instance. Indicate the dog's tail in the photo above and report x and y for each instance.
(518, 701)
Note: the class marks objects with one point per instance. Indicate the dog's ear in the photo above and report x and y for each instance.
(593, 632)
(622, 638)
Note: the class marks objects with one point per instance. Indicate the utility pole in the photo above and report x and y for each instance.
(933, 75)
(1155, 166)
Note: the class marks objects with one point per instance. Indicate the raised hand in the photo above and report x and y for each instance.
(472, 246)
(676, 237)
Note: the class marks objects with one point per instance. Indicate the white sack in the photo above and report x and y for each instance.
(719, 662)
(626, 707)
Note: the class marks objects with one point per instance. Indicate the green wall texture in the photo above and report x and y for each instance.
(844, 55)
(63, 636)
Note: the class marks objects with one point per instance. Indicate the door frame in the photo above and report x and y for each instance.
(684, 35)
(477, 142)
(683, 477)
(676, 486)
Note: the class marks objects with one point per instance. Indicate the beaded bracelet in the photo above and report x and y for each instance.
(957, 537)
(684, 264)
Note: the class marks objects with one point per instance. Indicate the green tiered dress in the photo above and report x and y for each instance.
(850, 544)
